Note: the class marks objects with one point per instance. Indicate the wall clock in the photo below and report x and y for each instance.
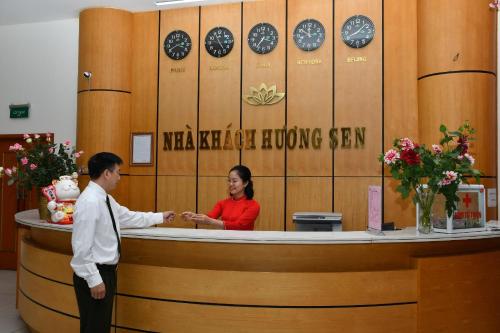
(219, 42)
(263, 38)
(309, 35)
(177, 45)
(358, 31)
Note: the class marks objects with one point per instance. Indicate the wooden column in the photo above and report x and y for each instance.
(104, 99)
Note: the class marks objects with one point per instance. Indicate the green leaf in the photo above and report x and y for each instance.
(442, 128)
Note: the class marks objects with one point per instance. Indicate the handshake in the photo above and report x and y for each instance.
(169, 216)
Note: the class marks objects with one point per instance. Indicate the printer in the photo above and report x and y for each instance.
(317, 221)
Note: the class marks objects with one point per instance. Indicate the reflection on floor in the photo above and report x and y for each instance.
(10, 322)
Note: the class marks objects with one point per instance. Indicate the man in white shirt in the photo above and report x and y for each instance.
(96, 241)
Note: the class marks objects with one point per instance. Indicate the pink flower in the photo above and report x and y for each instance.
(24, 160)
(26, 136)
(8, 172)
(437, 149)
(51, 150)
(80, 152)
(33, 166)
(36, 136)
(406, 144)
(77, 155)
(67, 143)
(449, 177)
(391, 156)
(16, 147)
(495, 4)
(470, 158)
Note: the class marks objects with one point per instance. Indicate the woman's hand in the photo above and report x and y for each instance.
(202, 219)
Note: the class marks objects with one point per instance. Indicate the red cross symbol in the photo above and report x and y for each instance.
(467, 200)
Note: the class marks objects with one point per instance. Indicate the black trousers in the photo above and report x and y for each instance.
(95, 314)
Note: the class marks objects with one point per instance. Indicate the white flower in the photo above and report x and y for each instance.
(437, 149)
(470, 158)
(391, 156)
(28, 140)
(406, 144)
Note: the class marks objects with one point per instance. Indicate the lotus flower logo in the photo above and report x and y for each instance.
(263, 95)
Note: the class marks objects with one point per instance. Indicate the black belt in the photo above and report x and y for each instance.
(105, 267)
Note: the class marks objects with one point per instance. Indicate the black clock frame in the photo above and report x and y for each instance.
(363, 37)
(214, 46)
(268, 31)
(168, 48)
(304, 40)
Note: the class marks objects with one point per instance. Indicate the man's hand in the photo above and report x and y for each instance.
(168, 216)
(99, 291)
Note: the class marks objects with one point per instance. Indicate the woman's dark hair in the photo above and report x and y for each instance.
(246, 176)
(102, 161)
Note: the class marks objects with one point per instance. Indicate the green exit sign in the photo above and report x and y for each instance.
(19, 110)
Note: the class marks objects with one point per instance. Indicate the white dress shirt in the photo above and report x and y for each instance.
(94, 240)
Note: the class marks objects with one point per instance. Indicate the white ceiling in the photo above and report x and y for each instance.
(28, 11)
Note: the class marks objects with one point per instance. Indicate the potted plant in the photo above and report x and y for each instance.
(442, 169)
(39, 162)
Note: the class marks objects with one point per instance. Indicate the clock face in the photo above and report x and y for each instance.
(219, 42)
(263, 38)
(358, 31)
(309, 35)
(177, 45)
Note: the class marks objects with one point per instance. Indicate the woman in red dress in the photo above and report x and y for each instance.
(239, 211)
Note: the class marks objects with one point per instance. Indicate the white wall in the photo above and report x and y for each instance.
(39, 65)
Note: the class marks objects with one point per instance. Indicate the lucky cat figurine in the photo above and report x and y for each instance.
(62, 195)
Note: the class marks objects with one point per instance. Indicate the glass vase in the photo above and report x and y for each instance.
(425, 199)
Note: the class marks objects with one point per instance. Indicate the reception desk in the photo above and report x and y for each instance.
(187, 280)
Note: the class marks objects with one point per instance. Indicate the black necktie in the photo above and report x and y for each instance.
(114, 226)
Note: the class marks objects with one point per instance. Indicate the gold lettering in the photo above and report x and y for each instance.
(250, 139)
(356, 59)
(228, 142)
(309, 61)
(304, 138)
(360, 137)
(216, 140)
(179, 140)
(266, 138)
(177, 69)
(204, 140)
(167, 140)
(316, 138)
(346, 137)
(264, 65)
(219, 68)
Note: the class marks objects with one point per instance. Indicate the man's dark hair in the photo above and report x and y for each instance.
(102, 161)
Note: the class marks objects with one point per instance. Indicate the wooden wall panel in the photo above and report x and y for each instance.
(269, 69)
(178, 100)
(454, 98)
(210, 191)
(120, 193)
(144, 81)
(103, 125)
(307, 194)
(458, 39)
(177, 193)
(270, 194)
(443, 309)
(309, 91)
(190, 317)
(351, 199)
(400, 71)
(358, 93)
(220, 99)
(105, 49)
(142, 193)
(400, 211)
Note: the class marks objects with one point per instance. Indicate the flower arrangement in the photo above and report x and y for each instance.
(40, 161)
(442, 168)
(495, 4)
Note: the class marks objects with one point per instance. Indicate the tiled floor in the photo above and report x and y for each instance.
(10, 322)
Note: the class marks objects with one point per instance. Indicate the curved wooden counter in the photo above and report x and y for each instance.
(184, 280)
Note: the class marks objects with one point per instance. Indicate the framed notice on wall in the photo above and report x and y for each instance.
(141, 148)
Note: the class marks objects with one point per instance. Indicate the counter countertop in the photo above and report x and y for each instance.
(30, 218)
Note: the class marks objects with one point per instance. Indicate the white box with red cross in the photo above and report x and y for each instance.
(469, 216)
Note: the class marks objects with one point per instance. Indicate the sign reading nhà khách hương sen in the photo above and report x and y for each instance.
(250, 139)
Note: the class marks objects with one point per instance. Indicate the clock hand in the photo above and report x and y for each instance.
(218, 41)
(173, 47)
(261, 41)
(358, 30)
(307, 33)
